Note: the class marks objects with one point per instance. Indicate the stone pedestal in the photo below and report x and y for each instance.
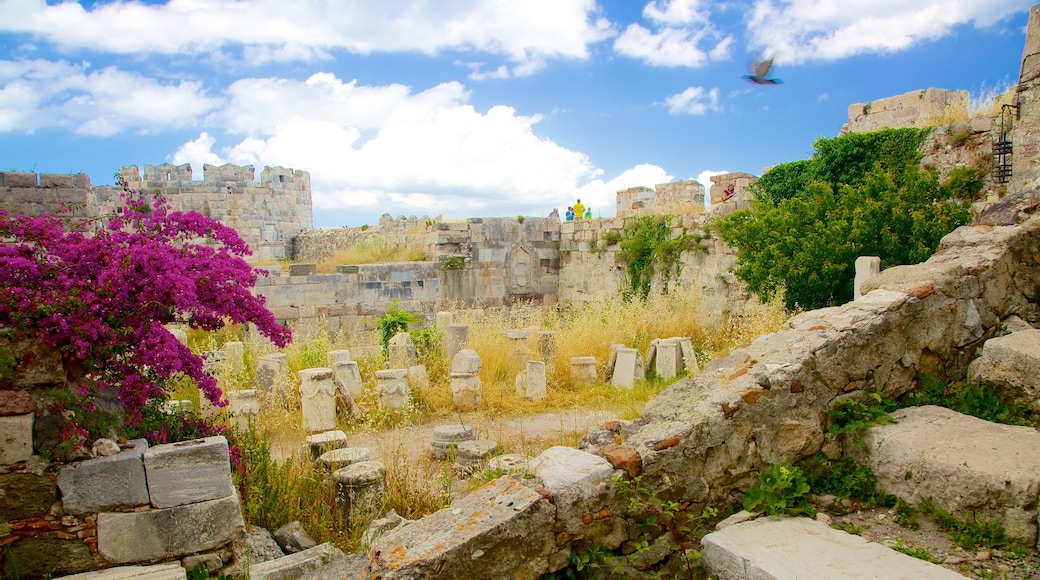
(392, 388)
(337, 356)
(530, 384)
(321, 443)
(518, 344)
(547, 348)
(583, 370)
(443, 319)
(359, 489)
(446, 438)
(466, 390)
(666, 358)
(244, 407)
(339, 458)
(318, 400)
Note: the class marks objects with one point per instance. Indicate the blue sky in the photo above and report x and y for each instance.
(470, 108)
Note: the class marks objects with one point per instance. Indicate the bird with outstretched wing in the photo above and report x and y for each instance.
(760, 73)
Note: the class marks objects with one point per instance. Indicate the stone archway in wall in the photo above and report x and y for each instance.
(522, 274)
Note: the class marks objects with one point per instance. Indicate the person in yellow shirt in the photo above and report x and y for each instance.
(579, 210)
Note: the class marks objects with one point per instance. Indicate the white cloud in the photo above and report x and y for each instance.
(38, 94)
(681, 35)
(804, 30)
(426, 152)
(693, 101)
(704, 178)
(526, 33)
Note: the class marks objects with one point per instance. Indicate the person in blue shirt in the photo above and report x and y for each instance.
(570, 214)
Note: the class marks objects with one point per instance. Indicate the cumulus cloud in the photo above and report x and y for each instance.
(804, 30)
(525, 33)
(39, 94)
(681, 34)
(415, 152)
(693, 101)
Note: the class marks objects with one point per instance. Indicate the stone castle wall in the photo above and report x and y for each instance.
(677, 197)
(921, 108)
(267, 215)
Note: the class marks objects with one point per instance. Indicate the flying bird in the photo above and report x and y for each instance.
(760, 73)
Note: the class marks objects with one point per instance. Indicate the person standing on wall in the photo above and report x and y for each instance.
(579, 209)
(555, 213)
(588, 213)
(570, 213)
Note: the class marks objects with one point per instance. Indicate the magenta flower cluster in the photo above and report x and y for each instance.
(101, 290)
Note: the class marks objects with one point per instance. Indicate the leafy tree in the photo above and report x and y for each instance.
(101, 290)
(810, 222)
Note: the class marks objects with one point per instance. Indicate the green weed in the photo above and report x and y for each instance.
(782, 490)
(981, 400)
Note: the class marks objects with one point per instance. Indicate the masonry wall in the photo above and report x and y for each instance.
(1026, 133)
(25, 193)
(677, 197)
(921, 108)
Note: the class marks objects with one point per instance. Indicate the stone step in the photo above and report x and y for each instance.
(156, 572)
(964, 465)
(296, 565)
(787, 548)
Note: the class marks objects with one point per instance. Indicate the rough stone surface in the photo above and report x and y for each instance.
(157, 572)
(16, 403)
(964, 465)
(107, 483)
(318, 400)
(503, 526)
(293, 538)
(785, 548)
(46, 556)
(26, 495)
(16, 438)
(296, 565)
(188, 472)
(1012, 363)
(146, 536)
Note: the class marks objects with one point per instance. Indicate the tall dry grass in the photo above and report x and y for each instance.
(372, 251)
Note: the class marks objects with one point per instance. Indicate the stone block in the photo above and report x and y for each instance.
(348, 379)
(172, 571)
(16, 438)
(327, 441)
(531, 383)
(45, 556)
(866, 268)
(318, 400)
(157, 534)
(625, 364)
(244, 406)
(106, 483)
(779, 548)
(359, 489)
(302, 269)
(342, 457)
(583, 369)
(188, 472)
(392, 388)
(26, 495)
(1012, 363)
(235, 353)
(296, 565)
(477, 537)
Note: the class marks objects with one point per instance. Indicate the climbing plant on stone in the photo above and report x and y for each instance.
(100, 290)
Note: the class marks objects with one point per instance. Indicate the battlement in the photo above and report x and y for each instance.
(678, 197)
(267, 214)
(921, 108)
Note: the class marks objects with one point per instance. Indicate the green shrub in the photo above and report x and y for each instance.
(844, 478)
(981, 400)
(781, 490)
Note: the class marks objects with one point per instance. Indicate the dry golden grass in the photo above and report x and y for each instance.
(372, 251)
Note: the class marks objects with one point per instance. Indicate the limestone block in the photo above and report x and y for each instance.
(531, 383)
(866, 268)
(348, 379)
(271, 373)
(583, 369)
(474, 538)
(16, 438)
(401, 351)
(443, 319)
(172, 571)
(157, 534)
(26, 495)
(340, 458)
(302, 269)
(466, 361)
(666, 361)
(578, 481)
(105, 483)
(964, 465)
(296, 565)
(392, 388)
(335, 356)
(418, 378)
(626, 363)
(446, 437)
(318, 400)
(1012, 362)
(188, 472)
(774, 548)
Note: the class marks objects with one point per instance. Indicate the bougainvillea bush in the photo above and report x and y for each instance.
(101, 291)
